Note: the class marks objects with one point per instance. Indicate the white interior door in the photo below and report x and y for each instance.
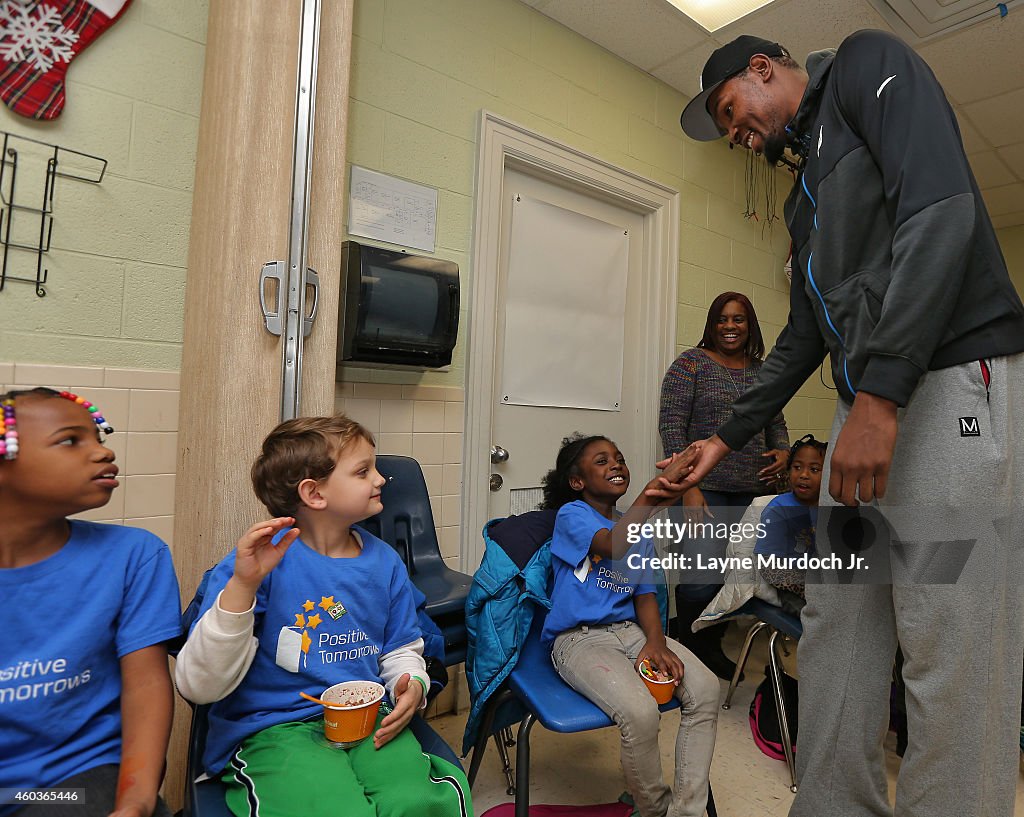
(607, 348)
(569, 181)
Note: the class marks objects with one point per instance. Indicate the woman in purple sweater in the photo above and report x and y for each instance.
(696, 398)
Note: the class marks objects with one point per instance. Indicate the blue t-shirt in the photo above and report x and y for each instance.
(319, 621)
(789, 527)
(588, 589)
(65, 623)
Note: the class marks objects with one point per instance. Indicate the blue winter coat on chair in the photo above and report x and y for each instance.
(512, 581)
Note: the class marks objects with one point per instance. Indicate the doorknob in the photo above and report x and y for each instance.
(496, 482)
(498, 454)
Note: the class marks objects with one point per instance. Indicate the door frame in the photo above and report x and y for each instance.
(504, 144)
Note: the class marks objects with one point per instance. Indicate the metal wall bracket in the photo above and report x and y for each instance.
(35, 228)
(312, 288)
(272, 271)
(298, 319)
(273, 317)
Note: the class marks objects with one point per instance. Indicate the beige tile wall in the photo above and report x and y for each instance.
(142, 406)
(423, 422)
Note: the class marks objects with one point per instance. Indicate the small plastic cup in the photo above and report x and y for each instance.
(661, 690)
(351, 720)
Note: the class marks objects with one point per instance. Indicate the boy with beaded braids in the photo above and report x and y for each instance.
(85, 695)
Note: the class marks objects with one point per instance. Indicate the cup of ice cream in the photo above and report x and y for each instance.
(351, 711)
(660, 684)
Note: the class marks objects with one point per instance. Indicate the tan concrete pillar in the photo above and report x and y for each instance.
(231, 366)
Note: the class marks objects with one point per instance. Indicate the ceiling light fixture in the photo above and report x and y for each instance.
(715, 14)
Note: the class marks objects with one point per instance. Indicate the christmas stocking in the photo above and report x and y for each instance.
(38, 40)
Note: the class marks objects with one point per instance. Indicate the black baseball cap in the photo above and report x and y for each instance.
(724, 62)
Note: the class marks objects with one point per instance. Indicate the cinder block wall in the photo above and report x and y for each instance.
(117, 265)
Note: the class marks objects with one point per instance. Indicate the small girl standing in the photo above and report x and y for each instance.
(789, 522)
(604, 622)
(85, 694)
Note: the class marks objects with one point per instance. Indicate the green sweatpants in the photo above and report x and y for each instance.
(290, 769)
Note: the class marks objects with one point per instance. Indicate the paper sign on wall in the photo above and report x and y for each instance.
(392, 210)
(565, 309)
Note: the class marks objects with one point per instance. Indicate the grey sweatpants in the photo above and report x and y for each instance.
(598, 662)
(957, 499)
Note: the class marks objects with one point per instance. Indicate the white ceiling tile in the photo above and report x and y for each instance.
(980, 61)
(1013, 155)
(644, 32)
(1001, 118)
(683, 72)
(990, 170)
(1009, 220)
(974, 64)
(918, 20)
(803, 26)
(1006, 199)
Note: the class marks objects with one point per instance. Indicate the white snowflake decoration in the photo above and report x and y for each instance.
(35, 35)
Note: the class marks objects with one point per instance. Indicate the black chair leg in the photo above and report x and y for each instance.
(523, 766)
(780, 704)
(485, 732)
(503, 742)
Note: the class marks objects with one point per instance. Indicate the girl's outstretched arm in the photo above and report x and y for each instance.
(147, 705)
(662, 490)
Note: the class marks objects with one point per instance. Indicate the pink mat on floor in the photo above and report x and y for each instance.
(602, 810)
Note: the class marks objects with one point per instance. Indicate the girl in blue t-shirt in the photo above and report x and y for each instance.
(789, 522)
(85, 695)
(604, 622)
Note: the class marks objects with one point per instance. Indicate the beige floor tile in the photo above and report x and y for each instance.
(584, 768)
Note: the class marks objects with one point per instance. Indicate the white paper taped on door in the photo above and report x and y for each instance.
(565, 309)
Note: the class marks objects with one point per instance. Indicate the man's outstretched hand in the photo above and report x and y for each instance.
(670, 485)
(702, 456)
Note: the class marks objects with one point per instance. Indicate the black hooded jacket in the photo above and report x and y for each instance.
(896, 266)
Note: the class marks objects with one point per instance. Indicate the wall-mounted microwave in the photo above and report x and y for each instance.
(398, 309)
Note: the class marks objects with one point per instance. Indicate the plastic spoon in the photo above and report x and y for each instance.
(317, 700)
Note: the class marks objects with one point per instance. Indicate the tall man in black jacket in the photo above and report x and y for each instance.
(898, 276)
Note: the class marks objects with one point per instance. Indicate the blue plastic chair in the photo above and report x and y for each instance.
(776, 621)
(552, 702)
(407, 524)
(206, 798)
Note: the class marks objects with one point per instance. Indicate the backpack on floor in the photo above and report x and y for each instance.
(764, 718)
